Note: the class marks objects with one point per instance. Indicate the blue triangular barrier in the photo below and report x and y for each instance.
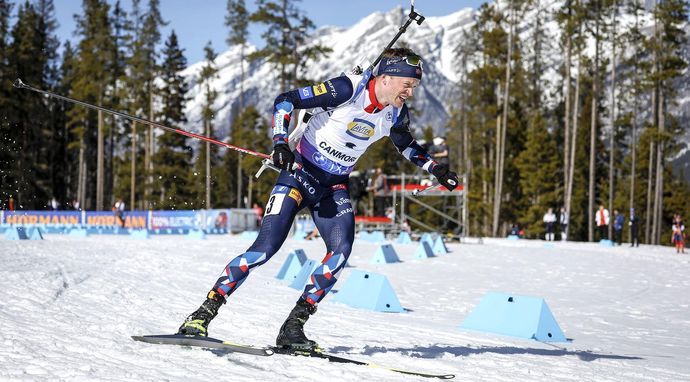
(423, 251)
(299, 235)
(439, 247)
(517, 316)
(249, 235)
(139, 233)
(403, 238)
(377, 237)
(35, 233)
(292, 265)
(301, 279)
(385, 254)
(374, 237)
(196, 234)
(16, 233)
(371, 291)
(429, 238)
(606, 243)
(78, 232)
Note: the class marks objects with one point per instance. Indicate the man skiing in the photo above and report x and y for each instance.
(354, 112)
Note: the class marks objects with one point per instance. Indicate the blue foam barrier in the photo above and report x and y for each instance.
(249, 235)
(16, 233)
(606, 243)
(292, 265)
(429, 238)
(370, 291)
(139, 233)
(384, 255)
(549, 245)
(423, 251)
(35, 233)
(196, 234)
(299, 235)
(301, 279)
(374, 237)
(403, 238)
(216, 231)
(513, 315)
(439, 247)
(78, 232)
(513, 237)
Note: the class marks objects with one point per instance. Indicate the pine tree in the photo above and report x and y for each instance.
(237, 19)
(143, 68)
(173, 185)
(91, 82)
(208, 154)
(7, 153)
(539, 176)
(286, 38)
(31, 57)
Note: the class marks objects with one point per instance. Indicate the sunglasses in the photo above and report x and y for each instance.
(410, 60)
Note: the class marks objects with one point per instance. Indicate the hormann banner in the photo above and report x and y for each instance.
(201, 219)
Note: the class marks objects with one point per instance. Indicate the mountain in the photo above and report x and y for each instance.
(360, 44)
(436, 41)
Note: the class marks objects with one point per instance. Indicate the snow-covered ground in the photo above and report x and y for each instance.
(69, 306)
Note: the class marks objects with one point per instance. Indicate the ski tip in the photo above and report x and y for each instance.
(18, 83)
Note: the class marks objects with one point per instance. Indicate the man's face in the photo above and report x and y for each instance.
(399, 89)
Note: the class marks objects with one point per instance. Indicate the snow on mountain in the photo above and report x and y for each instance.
(360, 44)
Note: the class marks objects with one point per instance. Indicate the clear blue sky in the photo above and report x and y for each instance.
(197, 22)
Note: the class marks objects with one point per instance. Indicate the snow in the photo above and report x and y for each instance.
(68, 307)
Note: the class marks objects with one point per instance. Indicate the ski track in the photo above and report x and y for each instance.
(69, 306)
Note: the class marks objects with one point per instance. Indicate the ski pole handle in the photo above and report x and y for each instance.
(417, 191)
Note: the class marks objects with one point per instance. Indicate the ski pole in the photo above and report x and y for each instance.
(266, 163)
(21, 85)
(417, 191)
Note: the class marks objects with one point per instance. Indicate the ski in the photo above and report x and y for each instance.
(214, 343)
(204, 342)
(339, 359)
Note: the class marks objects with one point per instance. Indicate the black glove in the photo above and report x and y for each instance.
(447, 178)
(282, 156)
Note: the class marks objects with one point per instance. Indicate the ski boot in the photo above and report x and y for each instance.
(197, 323)
(291, 335)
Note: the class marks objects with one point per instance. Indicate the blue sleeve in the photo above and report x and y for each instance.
(407, 145)
(329, 94)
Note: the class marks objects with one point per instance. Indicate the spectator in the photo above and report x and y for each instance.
(550, 222)
(119, 211)
(439, 151)
(11, 204)
(678, 236)
(379, 186)
(515, 230)
(634, 224)
(75, 204)
(563, 220)
(618, 221)
(259, 212)
(602, 218)
(221, 221)
(54, 204)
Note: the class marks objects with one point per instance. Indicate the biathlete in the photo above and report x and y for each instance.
(354, 112)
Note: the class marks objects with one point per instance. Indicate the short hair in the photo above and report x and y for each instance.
(399, 52)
